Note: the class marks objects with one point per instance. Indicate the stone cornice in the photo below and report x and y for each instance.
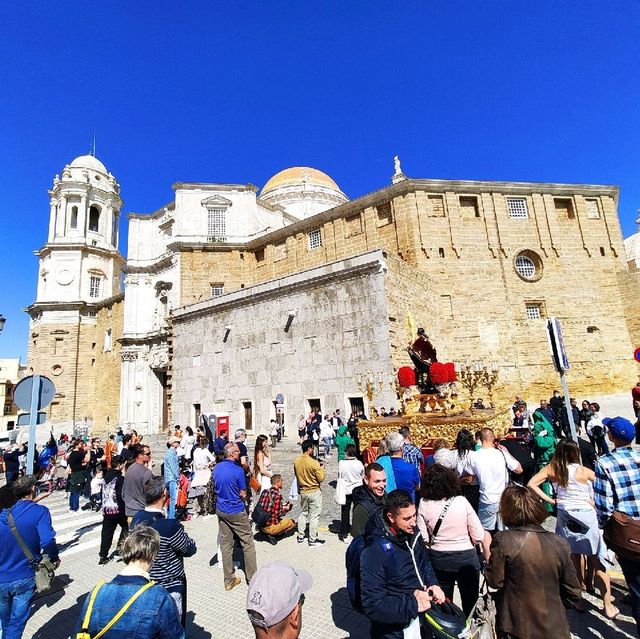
(371, 262)
(171, 206)
(75, 305)
(204, 186)
(164, 262)
(98, 250)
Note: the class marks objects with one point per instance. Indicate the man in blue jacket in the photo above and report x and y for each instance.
(17, 576)
(397, 581)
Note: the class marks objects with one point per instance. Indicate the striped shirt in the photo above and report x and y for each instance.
(168, 566)
(617, 484)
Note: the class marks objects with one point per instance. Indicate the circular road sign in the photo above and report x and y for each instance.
(24, 388)
(279, 398)
(636, 354)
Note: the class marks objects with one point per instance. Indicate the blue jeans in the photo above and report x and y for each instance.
(15, 605)
(489, 517)
(74, 501)
(172, 487)
(631, 572)
(327, 445)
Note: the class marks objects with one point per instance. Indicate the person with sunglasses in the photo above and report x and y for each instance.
(136, 477)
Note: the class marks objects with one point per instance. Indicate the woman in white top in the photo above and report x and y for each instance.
(576, 516)
(202, 483)
(326, 435)
(351, 472)
(262, 462)
(596, 430)
(187, 443)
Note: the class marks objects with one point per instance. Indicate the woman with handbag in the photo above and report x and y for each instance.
(577, 521)
(532, 570)
(350, 476)
(202, 482)
(451, 529)
(262, 463)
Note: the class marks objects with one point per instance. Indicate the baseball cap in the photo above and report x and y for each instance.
(620, 427)
(274, 591)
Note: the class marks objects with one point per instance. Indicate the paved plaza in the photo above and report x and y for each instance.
(215, 613)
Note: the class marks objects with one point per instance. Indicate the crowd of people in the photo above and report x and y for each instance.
(418, 523)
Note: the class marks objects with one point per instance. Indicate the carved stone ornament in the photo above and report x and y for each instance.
(216, 202)
(159, 357)
(128, 356)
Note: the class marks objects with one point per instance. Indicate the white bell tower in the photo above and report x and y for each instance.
(80, 261)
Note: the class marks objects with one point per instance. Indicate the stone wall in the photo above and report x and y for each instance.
(106, 397)
(65, 353)
(339, 331)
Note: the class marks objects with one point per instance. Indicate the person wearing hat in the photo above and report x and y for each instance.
(274, 600)
(172, 474)
(17, 575)
(617, 488)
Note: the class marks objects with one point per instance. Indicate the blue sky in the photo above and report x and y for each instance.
(208, 91)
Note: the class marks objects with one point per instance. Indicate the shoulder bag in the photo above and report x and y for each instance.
(84, 631)
(44, 570)
(341, 492)
(622, 535)
(443, 514)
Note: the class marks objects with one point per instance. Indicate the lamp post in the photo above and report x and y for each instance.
(3, 321)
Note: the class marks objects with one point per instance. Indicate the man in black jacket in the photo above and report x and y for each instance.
(397, 581)
(368, 499)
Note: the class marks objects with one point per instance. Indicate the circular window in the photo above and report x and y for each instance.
(56, 370)
(528, 265)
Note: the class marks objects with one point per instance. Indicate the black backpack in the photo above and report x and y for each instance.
(260, 516)
(352, 564)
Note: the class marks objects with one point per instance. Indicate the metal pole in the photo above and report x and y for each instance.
(567, 404)
(33, 420)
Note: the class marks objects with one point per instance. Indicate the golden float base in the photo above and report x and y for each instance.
(432, 425)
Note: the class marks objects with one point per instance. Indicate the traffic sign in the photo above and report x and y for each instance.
(24, 389)
(636, 354)
(279, 398)
(33, 393)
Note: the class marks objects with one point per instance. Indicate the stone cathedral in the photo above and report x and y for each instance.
(274, 301)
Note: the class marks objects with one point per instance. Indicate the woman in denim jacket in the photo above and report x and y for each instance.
(153, 615)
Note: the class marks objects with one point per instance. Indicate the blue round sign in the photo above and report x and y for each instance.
(279, 398)
(24, 388)
(636, 354)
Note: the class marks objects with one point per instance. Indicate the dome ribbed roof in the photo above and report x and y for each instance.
(299, 175)
(88, 162)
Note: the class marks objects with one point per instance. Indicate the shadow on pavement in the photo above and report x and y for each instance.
(346, 618)
(52, 596)
(62, 623)
(194, 631)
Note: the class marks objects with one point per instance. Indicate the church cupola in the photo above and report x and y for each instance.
(85, 205)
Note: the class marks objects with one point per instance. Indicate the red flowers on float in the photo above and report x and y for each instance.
(442, 373)
(406, 376)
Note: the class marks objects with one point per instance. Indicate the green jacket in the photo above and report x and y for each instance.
(343, 439)
(543, 445)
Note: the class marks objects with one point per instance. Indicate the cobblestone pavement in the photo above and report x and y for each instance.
(219, 614)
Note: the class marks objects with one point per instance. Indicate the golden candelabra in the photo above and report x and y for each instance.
(490, 375)
(370, 383)
(478, 374)
(470, 376)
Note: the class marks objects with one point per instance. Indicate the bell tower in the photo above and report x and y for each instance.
(79, 273)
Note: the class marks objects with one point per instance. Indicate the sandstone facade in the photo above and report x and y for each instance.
(480, 265)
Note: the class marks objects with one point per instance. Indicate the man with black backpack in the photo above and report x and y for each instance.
(368, 499)
(397, 581)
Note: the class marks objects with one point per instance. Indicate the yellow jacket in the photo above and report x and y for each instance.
(309, 473)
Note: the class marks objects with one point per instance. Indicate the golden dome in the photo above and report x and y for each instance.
(299, 175)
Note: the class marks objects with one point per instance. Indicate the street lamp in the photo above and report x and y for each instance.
(2, 322)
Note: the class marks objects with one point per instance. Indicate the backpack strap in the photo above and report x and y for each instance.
(127, 605)
(14, 531)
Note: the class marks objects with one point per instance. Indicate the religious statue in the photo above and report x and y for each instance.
(396, 163)
(423, 354)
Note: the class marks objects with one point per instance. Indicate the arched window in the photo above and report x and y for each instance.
(94, 219)
(74, 218)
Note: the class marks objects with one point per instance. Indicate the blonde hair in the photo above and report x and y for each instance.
(142, 544)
